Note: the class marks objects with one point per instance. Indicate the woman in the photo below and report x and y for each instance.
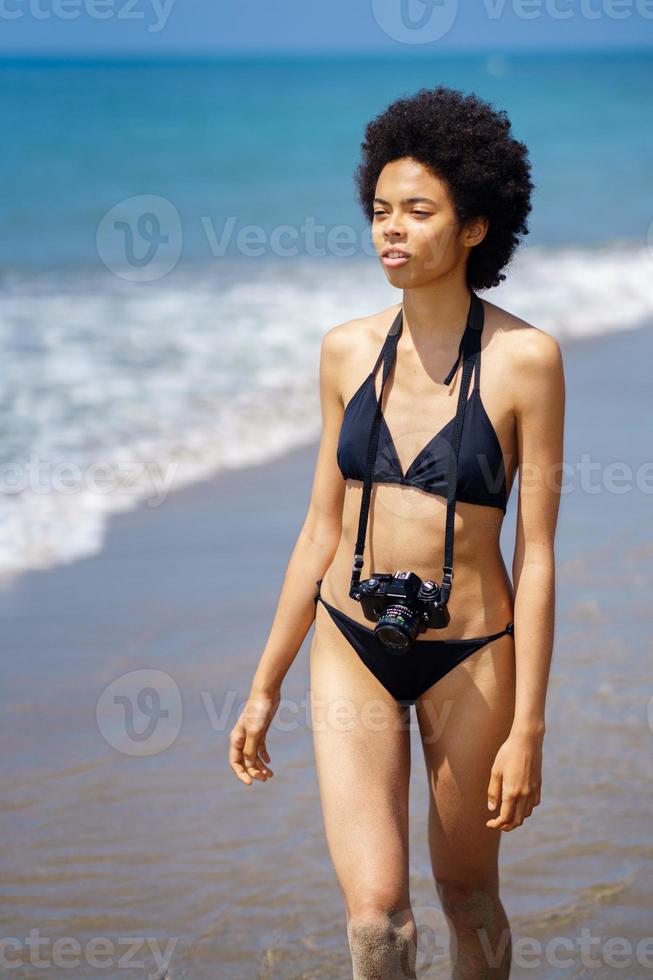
(447, 190)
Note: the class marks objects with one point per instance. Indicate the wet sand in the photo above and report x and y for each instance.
(122, 826)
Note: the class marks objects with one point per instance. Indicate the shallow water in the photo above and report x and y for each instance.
(103, 839)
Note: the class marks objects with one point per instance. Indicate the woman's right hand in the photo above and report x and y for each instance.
(248, 755)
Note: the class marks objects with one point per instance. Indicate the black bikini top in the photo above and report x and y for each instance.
(481, 471)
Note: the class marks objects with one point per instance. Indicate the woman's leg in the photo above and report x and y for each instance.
(362, 753)
(463, 720)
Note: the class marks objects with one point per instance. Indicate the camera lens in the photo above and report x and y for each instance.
(397, 628)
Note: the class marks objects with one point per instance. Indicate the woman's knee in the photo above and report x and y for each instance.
(382, 941)
(472, 901)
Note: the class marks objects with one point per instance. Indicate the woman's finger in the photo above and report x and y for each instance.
(264, 756)
(506, 813)
(254, 763)
(241, 772)
(518, 814)
(236, 761)
(494, 790)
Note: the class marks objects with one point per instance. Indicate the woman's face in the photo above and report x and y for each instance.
(414, 214)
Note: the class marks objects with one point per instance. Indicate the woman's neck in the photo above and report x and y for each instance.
(434, 316)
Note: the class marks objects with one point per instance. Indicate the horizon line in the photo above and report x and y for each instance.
(299, 53)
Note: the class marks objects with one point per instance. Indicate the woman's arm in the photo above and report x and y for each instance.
(310, 558)
(540, 408)
(516, 777)
(319, 535)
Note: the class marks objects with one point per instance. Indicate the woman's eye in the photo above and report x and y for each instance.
(422, 214)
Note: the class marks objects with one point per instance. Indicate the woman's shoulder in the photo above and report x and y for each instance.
(360, 339)
(520, 344)
(526, 361)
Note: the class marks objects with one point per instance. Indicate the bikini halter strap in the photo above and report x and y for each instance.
(397, 327)
(470, 345)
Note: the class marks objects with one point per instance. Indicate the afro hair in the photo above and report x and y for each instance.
(467, 143)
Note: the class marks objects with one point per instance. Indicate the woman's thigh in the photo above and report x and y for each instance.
(463, 720)
(361, 739)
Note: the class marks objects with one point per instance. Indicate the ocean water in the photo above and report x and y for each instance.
(178, 235)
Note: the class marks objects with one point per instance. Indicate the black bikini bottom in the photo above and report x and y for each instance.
(406, 675)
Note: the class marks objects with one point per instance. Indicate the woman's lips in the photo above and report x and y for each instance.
(394, 263)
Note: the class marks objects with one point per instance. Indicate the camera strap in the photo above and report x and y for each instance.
(470, 345)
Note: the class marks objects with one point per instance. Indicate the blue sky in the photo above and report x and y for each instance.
(214, 26)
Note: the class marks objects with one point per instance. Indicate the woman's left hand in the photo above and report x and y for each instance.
(515, 781)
